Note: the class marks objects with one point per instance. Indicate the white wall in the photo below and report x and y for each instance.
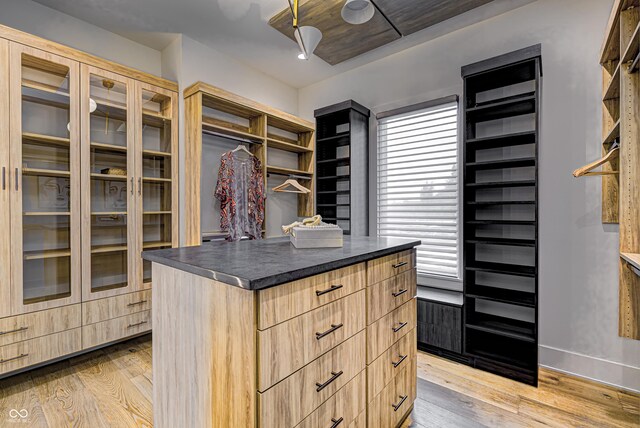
(50, 24)
(578, 254)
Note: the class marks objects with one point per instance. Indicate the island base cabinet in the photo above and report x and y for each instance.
(224, 356)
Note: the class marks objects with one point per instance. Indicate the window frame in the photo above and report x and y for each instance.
(428, 279)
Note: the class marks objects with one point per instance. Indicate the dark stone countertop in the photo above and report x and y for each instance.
(255, 265)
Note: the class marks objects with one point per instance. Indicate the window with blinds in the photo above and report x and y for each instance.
(418, 193)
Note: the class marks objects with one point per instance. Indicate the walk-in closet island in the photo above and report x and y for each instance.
(261, 334)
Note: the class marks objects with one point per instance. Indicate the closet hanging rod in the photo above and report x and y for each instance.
(299, 177)
(230, 137)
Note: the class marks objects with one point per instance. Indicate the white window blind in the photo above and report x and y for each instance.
(418, 193)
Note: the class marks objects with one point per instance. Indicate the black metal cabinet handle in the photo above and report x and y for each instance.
(13, 331)
(333, 328)
(400, 293)
(397, 406)
(14, 358)
(334, 376)
(139, 186)
(336, 422)
(136, 324)
(4, 178)
(329, 290)
(397, 363)
(398, 328)
(396, 266)
(132, 186)
(16, 179)
(137, 303)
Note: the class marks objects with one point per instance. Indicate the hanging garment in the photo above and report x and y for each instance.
(241, 193)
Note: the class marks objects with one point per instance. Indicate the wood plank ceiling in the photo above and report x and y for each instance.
(393, 19)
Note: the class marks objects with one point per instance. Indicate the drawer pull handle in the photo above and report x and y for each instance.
(400, 293)
(136, 324)
(334, 376)
(336, 422)
(329, 290)
(398, 328)
(16, 179)
(137, 303)
(14, 358)
(14, 331)
(397, 363)
(4, 177)
(396, 266)
(333, 328)
(397, 406)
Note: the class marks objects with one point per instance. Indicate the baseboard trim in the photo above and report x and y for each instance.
(592, 368)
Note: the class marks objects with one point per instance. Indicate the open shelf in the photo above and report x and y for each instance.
(333, 205)
(289, 147)
(502, 295)
(613, 89)
(503, 108)
(498, 184)
(287, 171)
(502, 268)
(508, 327)
(335, 160)
(46, 254)
(502, 222)
(613, 134)
(40, 138)
(334, 137)
(488, 203)
(502, 241)
(333, 177)
(209, 125)
(502, 163)
(333, 192)
(506, 140)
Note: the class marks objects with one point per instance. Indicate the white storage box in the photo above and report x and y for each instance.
(321, 236)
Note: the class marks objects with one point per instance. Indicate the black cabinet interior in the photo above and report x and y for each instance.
(342, 155)
(500, 162)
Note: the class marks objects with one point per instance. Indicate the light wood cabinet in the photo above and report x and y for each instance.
(88, 179)
(246, 358)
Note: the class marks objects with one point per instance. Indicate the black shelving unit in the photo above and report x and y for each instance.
(342, 160)
(501, 128)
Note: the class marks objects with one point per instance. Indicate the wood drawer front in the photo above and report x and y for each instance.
(390, 407)
(29, 352)
(36, 324)
(348, 405)
(383, 297)
(115, 329)
(388, 266)
(388, 329)
(312, 385)
(390, 363)
(281, 303)
(114, 307)
(288, 346)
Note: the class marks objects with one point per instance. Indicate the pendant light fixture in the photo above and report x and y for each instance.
(358, 11)
(307, 36)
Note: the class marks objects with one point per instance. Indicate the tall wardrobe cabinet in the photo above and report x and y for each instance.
(88, 180)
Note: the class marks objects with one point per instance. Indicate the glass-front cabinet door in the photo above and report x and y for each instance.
(157, 171)
(45, 180)
(108, 180)
(5, 188)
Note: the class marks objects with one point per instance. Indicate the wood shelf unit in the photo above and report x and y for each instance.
(211, 110)
(621, 122)
(495, 184)
(342, 176)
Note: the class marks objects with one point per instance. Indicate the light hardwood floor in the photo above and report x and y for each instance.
(112, 388)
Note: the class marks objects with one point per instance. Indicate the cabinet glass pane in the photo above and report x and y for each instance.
(108, 189)
(156, 173)
(46, 175)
